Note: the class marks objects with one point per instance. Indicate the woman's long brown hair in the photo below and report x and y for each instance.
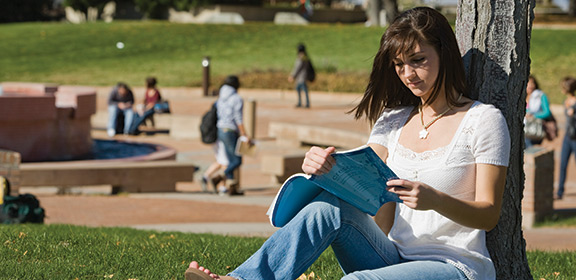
(386, 90)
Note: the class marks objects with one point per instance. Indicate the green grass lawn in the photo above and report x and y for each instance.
(87, 53)
(261, 53)
(74, 252)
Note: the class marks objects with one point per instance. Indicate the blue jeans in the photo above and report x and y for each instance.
(299, 88)
(568, 148)
(362, 249)
(113, 114)
(138, 120)
(229, 138)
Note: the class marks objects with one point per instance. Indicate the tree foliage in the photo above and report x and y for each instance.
(24, 10)
(154, 9)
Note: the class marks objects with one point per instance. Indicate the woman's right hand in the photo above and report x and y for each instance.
(318, 161)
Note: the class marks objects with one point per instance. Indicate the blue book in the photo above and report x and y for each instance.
(359, 177)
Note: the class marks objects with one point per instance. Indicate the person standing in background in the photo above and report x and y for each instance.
(568, 85)
(300, 74)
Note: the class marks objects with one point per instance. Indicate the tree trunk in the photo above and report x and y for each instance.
(391, 7)
(494, 37)
(373, 12)
(572, 8)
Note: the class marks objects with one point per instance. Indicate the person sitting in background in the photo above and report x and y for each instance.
(121, 99)
(151, 97)
(537, 106)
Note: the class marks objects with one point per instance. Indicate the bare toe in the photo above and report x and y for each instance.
(197, 272)
(194, 264)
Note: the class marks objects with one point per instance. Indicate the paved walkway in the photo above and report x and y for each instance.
(190, 210)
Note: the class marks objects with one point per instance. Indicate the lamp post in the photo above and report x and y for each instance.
(206, 74)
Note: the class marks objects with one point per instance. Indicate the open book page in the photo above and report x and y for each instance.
(359, 177)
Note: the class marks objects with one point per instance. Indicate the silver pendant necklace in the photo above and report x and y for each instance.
(423, 134)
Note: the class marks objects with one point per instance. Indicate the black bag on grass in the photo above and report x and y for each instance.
(24, 208)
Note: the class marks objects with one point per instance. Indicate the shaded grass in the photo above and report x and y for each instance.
(76, 252)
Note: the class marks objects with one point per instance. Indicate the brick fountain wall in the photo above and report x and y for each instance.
(46, 122)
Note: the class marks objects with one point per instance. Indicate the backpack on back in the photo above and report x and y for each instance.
(208, 129)
(310, 72)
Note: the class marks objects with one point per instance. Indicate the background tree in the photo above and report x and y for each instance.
(572, 8)
(153, 9)
(494, 37)
(23, 10)
(83, 5)
(373, 10)
(391, 8)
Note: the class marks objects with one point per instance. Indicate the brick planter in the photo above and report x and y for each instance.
(45, 122)
(538, 201)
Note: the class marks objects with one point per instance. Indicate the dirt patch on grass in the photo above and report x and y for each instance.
(331, 82)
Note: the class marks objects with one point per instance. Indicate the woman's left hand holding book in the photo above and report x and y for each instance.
(318, 161)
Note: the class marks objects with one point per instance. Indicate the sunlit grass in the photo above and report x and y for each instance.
(263, 53)
(75, 252)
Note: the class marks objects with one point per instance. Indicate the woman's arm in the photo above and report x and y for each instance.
(545, 105)
(482, 213)
(385, 217)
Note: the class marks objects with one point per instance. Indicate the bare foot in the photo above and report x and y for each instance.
(197, 272)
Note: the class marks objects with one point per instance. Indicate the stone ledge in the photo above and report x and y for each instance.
(296, 135)
(123, 176)
(281, 166)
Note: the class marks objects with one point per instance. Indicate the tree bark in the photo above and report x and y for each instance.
(391, 7)
(373, 12)
(494, 37)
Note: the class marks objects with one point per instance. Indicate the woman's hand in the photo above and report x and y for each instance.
(415, 195)
(318, 161)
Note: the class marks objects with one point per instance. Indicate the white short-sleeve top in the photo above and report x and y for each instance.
(481, 138)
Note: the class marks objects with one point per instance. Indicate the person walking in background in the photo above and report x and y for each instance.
(230, 126)
(121, 99)
(568, 86)
(537, 107)
(211, 174)
(151, 97)
(300, 75)
(451, 153)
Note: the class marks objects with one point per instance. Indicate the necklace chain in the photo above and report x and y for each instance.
(424, 132)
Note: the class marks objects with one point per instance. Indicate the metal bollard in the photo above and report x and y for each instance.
(206, 75)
